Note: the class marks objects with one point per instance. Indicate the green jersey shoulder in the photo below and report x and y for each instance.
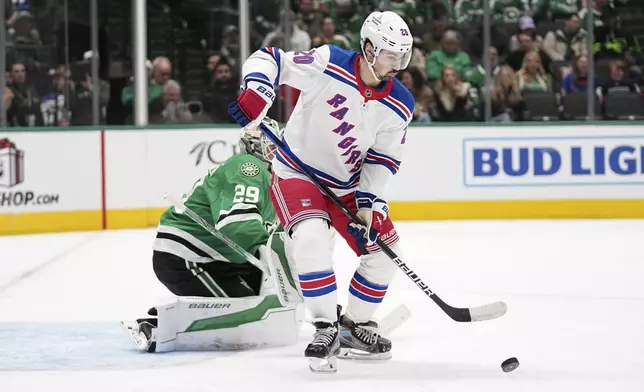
(234, 199)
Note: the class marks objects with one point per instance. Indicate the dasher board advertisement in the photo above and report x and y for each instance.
(50, 171)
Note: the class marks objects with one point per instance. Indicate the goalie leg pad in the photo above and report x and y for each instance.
(206, 324)
(286, 281)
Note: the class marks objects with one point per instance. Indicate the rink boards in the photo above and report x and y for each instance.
(82, 180)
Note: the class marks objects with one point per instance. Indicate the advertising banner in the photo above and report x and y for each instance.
(176, 159)
(50, 171)
(521, 163)
(554, 161)
(143, 165)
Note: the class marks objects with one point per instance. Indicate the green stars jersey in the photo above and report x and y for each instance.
(234, 198)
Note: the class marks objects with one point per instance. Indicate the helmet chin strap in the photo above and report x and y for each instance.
(370, 65)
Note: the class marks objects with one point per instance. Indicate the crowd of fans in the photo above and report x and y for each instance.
(538, 68)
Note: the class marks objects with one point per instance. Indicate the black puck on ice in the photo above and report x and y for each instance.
(510, 364)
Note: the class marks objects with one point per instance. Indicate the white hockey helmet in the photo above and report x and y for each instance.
(254, 142)
(387, 31)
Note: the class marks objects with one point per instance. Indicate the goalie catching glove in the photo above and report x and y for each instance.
(372, 212)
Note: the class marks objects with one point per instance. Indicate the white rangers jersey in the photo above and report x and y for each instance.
(351, 136)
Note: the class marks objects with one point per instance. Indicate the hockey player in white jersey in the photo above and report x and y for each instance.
(349, 128)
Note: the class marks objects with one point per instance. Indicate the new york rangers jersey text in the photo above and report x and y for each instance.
(349, 134)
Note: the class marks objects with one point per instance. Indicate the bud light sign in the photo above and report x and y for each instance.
(551, 161)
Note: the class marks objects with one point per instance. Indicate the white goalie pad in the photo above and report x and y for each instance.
(286, 280)
(206, 324)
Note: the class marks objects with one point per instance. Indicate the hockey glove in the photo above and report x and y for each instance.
(372, 212)
(252, 104)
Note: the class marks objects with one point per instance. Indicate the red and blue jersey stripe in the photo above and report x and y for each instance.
(376, 158)
(365, 290)
(317, 284)
(275, 54)
(327, 179)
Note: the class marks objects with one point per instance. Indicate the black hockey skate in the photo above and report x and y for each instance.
(142, 333)
(322, 352)
(362, 341)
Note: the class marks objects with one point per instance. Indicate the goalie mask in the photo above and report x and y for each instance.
(391, 40)
(254, 142)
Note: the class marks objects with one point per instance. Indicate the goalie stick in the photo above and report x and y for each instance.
(267, 268)
(477, 313)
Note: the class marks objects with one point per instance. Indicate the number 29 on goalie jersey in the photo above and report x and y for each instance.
(234, 198)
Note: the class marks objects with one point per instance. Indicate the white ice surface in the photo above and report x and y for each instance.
(574, 289)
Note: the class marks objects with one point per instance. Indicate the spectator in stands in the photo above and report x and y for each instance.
(348, 21)
(222, 90)
(468, 12)
(175, 109)
(450, 55)
(498, 39)
(617, 82)
(23, 41)
(161, 70)
(556, 9)
(432, 38)
(57, 105)
(613, 42)
(508, 11)
(209, 71)
(405, 8)
(452, 99)
(526, 26)
(155, 101)
(308, 18)
(230, 47)
(82, 98)
(598, 7)
(418, 57)
(435, 9)
(475, 75)
(212, 62)
(8, 93)
(329, 36)
(299, 39)
(507, 100)
(567, 43)
(16, 7)
(25, 105)
(531, 76)
(413, 79)
(577, 80)
(527, 45)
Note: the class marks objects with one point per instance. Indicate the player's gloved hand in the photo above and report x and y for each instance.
(252, 104)
(372, 212)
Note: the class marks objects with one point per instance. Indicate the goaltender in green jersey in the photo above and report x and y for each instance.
(223, 302)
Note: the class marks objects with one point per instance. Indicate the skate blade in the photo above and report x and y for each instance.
(350, 353)
(138, 338)
(323, 365)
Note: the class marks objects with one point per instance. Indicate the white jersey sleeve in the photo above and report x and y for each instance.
(382, 161)
(383, 157)
(301, 69)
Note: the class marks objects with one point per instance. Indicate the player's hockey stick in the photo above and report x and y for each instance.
(266, 268)
(477, 313)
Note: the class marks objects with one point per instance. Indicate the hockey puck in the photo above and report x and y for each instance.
(510, 364)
